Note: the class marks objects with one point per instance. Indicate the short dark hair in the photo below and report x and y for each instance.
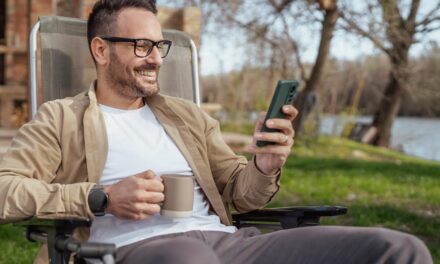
(104, 13)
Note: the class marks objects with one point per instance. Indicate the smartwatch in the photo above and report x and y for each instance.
(98, 200)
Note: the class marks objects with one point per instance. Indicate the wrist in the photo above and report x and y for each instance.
(107, 191)
(263, 169)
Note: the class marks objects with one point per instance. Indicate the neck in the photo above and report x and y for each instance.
(108, 96)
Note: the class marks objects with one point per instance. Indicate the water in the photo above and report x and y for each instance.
(415, 136)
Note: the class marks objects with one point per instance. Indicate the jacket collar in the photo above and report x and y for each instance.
(95, 137)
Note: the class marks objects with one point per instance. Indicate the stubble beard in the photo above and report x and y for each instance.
(130, 87)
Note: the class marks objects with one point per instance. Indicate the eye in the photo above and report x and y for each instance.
(143, 45)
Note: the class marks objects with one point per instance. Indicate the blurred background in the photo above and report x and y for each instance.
(368, 130)
(368, 69)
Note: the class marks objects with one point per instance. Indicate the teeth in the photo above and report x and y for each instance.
(148, 73)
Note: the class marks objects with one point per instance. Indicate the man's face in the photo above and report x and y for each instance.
(129, 75)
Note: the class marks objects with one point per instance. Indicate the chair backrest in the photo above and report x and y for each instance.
(67, 68)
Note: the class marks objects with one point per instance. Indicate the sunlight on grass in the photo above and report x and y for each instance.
(380, 187)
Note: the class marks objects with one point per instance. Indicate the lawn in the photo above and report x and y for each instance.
(380, 187)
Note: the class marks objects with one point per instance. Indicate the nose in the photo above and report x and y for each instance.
(155, 57)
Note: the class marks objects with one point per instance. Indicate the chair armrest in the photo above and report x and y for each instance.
(287, 217)
(52, 223)
(37, 226)
(57, 234)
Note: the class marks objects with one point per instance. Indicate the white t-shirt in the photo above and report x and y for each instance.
(137, 142)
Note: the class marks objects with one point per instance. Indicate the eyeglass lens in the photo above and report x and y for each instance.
(144, 47)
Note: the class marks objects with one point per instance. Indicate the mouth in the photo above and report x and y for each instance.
(147, 75)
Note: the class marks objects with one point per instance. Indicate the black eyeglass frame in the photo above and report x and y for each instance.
(135, 42)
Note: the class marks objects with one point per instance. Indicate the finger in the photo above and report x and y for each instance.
(274, 148)
(275, 137)
(284, 125)
(143, 211)
(149, 174)
(150, 197)
(154, 185)
(290, 111)
(147, 208)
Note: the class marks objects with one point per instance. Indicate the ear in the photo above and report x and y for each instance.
(100, 51)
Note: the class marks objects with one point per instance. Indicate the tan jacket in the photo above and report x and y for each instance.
(56, 158)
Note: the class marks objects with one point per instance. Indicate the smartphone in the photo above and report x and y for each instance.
(285, 93)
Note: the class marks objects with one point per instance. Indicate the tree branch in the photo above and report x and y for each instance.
(281, 6)
(427, 29)
(410, 23)
(295, 49)
(430, 17)
(353, 26)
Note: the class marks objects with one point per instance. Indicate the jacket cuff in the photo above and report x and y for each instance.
(262, 179)
(75, 199)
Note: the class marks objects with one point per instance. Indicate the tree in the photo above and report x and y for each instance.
(306, 99)
(269, 23)
(394, 34)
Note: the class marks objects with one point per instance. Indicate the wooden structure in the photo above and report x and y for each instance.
(16, 19)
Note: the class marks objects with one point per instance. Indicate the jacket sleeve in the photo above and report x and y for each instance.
(240, 182)
(28, 173)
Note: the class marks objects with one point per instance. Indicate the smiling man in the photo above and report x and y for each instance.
(129, 66)
(98, 155)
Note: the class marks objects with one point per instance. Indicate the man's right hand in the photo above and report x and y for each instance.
(136, 197)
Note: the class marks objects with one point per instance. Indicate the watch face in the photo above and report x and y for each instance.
(97, 201)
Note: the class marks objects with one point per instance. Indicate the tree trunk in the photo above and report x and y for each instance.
(390, 104)
(399, 33)
(304, 102)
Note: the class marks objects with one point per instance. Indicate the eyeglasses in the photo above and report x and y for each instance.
(143, 47)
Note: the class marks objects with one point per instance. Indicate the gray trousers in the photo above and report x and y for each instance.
(322, 244)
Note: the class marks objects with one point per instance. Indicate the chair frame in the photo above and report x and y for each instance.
(33, 67)
(60, 243)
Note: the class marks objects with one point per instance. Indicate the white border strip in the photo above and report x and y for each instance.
(33, 77)
(195, 72)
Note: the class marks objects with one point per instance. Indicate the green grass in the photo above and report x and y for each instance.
(14, 247)
(380, 187)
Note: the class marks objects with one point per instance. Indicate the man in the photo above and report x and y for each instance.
(101, 152)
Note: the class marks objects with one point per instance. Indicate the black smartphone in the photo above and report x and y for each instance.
(285, 93)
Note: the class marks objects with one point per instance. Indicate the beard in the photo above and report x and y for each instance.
(127, 85)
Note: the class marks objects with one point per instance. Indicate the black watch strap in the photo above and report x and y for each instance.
(98, 200)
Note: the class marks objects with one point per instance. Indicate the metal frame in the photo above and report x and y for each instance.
(57, 234)
(33, 69)
(195, 72)
(33, 62)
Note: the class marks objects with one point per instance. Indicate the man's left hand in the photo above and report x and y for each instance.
(270, 158)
